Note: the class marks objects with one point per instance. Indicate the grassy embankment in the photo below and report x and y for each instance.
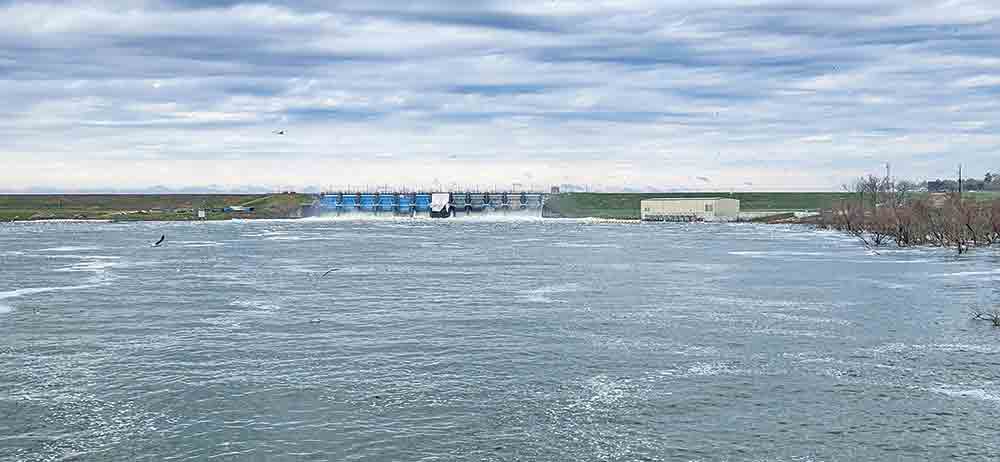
(140, 207)
(626, 205)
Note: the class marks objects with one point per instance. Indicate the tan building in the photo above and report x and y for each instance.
(690, 209)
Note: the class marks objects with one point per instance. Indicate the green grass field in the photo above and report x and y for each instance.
(145, 206)
(626, 205)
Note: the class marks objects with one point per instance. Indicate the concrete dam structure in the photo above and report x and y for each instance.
(435, 205)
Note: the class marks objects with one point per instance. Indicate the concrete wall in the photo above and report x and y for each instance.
(727, 208)
(707, 208)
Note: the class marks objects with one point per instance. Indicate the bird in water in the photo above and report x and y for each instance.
(279, 132)
(160, 242)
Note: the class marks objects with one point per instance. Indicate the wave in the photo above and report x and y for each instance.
(82, 257)
(39, 290)
(777, 253)
(4, 309)
(806, 319)
(970, 273)
(706, 267)
(299, 238)
(937, 347)
(530, 239)
(68, 249)
(556, 289)
(581, 245)
(198, 243)
(88, 266)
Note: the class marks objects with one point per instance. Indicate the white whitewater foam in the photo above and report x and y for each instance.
(68, 249)
(540, 295)
(704, 369)
(484, 217)
(976, 393)
(254, 304)
(4, 309)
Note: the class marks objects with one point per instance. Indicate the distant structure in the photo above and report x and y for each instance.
(436, 205)
(689, 209)
(555, 190)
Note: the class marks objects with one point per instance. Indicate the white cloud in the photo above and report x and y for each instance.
(649, 92)
(979, 81)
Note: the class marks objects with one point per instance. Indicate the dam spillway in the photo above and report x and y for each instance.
(431, 204)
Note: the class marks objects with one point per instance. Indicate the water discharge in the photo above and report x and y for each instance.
(489, 338)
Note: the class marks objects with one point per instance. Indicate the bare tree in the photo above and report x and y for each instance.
(901, 192)
(991, 315)
(886, 212)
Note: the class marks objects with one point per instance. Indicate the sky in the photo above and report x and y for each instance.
(611, 95)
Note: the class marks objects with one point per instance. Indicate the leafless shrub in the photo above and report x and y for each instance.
(886, 213)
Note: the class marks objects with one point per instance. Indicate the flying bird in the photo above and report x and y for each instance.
(279, 132)
(704, 178)
(160, 242)
(329, 271)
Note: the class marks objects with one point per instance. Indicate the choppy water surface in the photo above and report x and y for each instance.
(472, 340)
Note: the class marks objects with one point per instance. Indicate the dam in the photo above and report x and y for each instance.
(430, 204)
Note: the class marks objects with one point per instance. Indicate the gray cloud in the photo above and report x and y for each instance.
(633, 94)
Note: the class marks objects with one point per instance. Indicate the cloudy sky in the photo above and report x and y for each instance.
(699, 95)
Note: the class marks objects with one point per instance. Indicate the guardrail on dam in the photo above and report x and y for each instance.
(437, 204)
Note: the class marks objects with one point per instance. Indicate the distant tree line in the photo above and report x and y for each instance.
(888, 212)
(990, 182)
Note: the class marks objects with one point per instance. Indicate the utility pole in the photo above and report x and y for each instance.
(888, 177)
(889, 196)
(959, 182)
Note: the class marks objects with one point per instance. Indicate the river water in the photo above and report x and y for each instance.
(470, 340)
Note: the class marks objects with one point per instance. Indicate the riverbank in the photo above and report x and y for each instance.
(150, 207)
